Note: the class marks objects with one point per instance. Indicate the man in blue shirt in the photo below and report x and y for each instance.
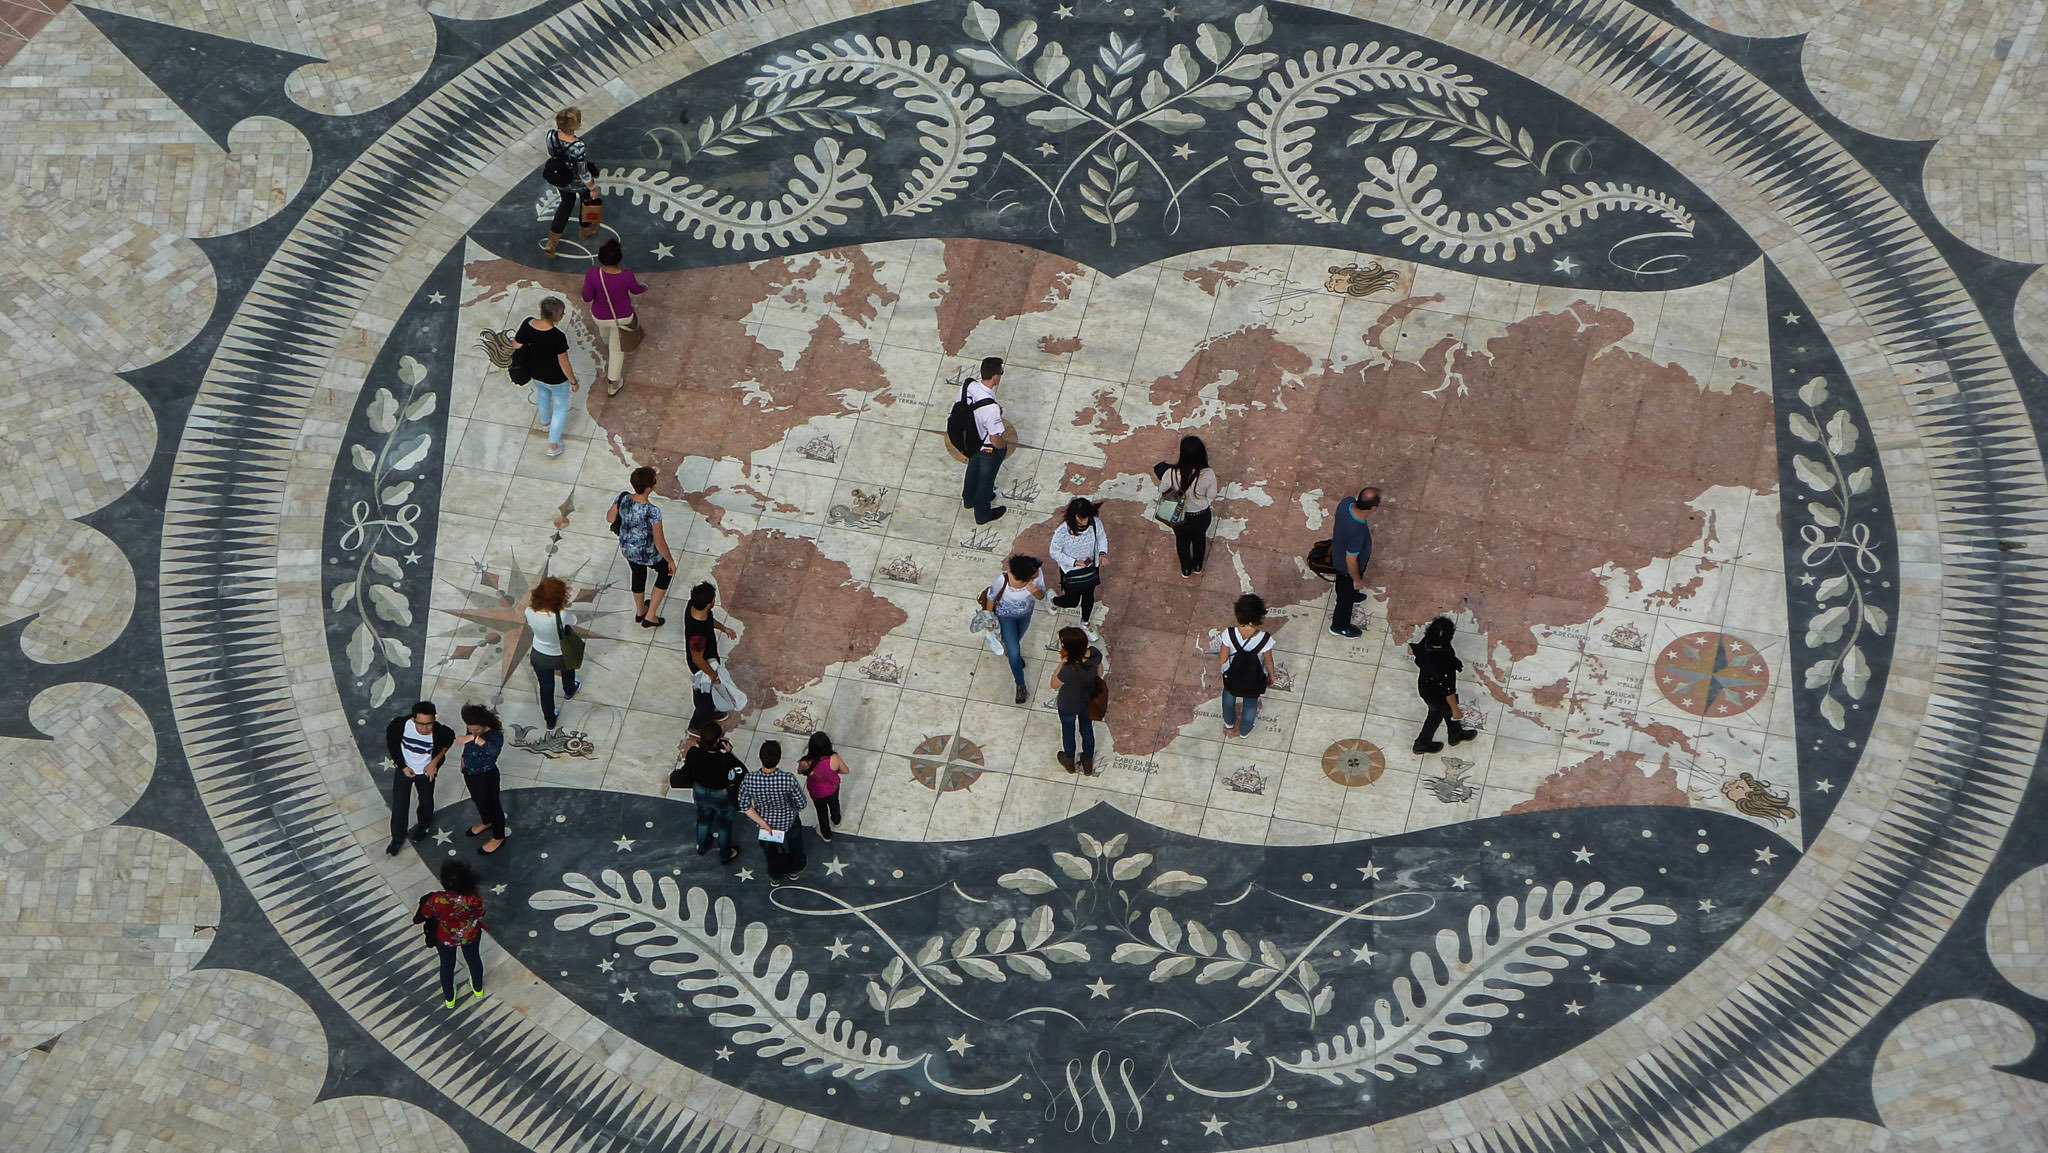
(1351, 548)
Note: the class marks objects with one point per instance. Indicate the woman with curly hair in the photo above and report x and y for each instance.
(457, 913)
(547, 618)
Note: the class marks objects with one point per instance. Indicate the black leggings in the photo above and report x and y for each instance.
(571, 195)
(661, 574)
(1191, 538)
(483, 789)
(827, 808)
(1083, 595)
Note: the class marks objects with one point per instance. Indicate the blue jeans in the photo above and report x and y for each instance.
(714, 816)
(553, 402)
(1068, 722)
(978, 488)
(1013, 643)
(1240, 713)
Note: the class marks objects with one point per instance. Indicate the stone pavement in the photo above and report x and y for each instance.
(1691, 345)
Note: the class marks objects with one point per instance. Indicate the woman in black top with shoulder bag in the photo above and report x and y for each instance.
(1437, 684)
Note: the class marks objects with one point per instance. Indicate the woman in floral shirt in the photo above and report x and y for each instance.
(457, 912)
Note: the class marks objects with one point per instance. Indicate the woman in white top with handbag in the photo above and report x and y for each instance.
(1012, 597)
(1078, 547)
(1187, 487)
(556, 646)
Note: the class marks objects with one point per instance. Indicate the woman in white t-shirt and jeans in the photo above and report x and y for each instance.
(1195, 481)
(547, 613)
(1013, 597)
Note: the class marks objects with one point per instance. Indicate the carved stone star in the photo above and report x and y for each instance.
(624, 844)
(1459, 882)
(959, 1044)
(1594, 976)
(834, 867)
(722, 1053)
(1792, 318)
(499, 889)
(839, 948)
(982, 1122)
(1582, 854)
(605, 966)
(628, 996)
(1183, 151)
(441, 836)
(1474, 1063)
(1573, 1008)
(1100, 989)
(1170, 14)
(1823, 786)
(1707, 905)
(1566, 265)
(1363, 953)
(1047, 149)
(1765, 856)
(1213, 1127)
(663, 252)
(745, 874)
(436, 297)
(1369, 872)
(1063, 11)
(1238, 1047)
(412, 558)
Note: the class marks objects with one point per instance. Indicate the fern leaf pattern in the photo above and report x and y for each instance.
(1414, 212)
(1457, 990)
(728, 970)
(1279, 125)
(952, 122)
(819, 199)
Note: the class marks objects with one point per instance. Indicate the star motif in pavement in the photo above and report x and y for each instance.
(436, 297)
(605, 966)
(1100, 988)
(1806, 579)
(839, 948)
(1047, 149)
(624, 844)
(1791, 318)
(1459, 882)
(412, 558)
(959, 1044)
(982, 1122)
(1765, 856)
(442, 837)
(1213, 1127)
(834, 867)
(1707, 905)
(663, 252)
(1369, 872)
(722, 1053)
(499, 890)
(745, 874)
(1582, 854)
(1183, 151)
(1170, 13)
(1566, 265)
(628, 995)
(1823, 786)
(1063, 11)
(1594, 976)
(1474, 1063)
(1573, 1008)
(1363, 953)
(1238, 1047)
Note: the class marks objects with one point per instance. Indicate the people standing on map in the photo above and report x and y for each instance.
(644, 545)
(545, 352)
(771, 798)
(547, 615)
(1350, 549)
(1246, 653)
(978, 490)
(609, 290)
(1078, 546)
(456, 912)
(1190, 478)
(822, 770)
(417, 744)
(700, 635)
(480, 748)
(1012, 597)
(569, 170)
(713, 775)
(1080, 669)
(1436, 683)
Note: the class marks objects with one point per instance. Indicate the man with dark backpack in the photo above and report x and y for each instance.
(975, 426)
(1247, 661)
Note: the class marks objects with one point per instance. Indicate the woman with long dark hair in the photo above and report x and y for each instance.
(1078, 547)
(1012, 597)
(1190, 478)
(480, 748)
(822, 769)
(1080, 669)
(457, 912)
(547, 618)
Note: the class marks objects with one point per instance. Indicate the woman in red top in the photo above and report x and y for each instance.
(457, 912)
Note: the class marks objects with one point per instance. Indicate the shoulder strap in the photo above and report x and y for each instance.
(1232, 634)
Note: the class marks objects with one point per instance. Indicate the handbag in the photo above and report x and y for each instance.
(593, 215)
(1173, 505)
(1098, 701)
(571, 642)
(619, 513)
(630, 332)
(517, 368)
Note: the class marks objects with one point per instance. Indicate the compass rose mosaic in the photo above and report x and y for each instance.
(1712, 674)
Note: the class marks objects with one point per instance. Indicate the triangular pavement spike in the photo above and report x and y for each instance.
(218, 81)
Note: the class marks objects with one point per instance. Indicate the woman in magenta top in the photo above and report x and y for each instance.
(822, 769)
(610, 291)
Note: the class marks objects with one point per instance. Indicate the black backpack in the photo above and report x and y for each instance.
(558, 172)
(1245, 676)
(960, 428)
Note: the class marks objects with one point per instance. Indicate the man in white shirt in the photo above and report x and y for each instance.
(978, 490)
(418, 744)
